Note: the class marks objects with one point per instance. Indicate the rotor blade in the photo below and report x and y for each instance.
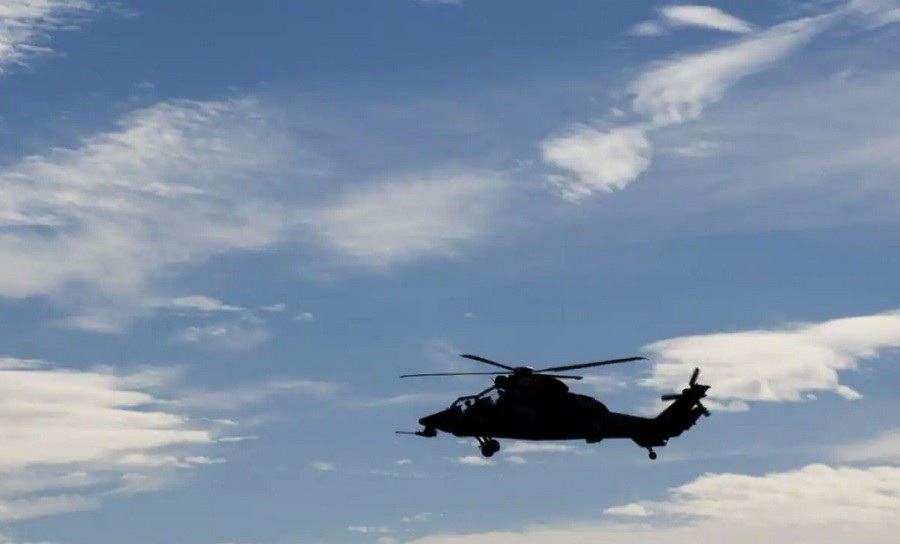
(694, 376)
(454, 374)
(486, 391)
(588, 365)
(488, 361)
(671, 396)
(563, 377)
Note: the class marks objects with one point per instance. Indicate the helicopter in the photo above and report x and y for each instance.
(535, 405)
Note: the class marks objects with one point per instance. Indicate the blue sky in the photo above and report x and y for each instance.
(226, 231)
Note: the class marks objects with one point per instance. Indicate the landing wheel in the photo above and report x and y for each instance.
(490, 447)
(652, 455)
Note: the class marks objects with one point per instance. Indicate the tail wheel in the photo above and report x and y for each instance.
(490, 447)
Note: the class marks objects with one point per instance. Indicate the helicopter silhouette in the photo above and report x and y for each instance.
(535, 405)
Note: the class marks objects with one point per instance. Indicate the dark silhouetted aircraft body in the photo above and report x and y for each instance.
(542, 413)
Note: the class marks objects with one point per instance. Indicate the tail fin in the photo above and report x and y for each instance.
(682, 414)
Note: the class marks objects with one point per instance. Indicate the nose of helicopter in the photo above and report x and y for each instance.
(438, 420)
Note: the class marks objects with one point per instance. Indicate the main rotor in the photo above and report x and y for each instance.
(521, 371)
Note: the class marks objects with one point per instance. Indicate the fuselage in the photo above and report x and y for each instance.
(550, 413)
(564, 417)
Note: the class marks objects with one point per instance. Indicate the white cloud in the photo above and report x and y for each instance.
(774, 365)
(322, 466)
(806, 496)
(274, 308)
(633, 509)
(25, 23)
(74, 437)
(829, 162)
(400, 221)
(604, 384)
(705, 17)
(678, 90)
(516, 460)
(647, 28)
(674, 91)
(474, 460)
(101, 225)
(4, 539)
(239, 397)
(201, 303)
(403, 462)
(537, 447)
(878, 12)
(600, 160)
(304, 316)
(233, 439)
(817, 503)
(420, 517)
(883, 448)
(405, 399)
(233, 335)
(176, 182)
(366, 529)
(702, 148)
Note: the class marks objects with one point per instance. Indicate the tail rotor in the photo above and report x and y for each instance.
(693, 393)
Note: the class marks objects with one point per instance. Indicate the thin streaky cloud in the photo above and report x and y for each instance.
(418, 216)
(678, 90)
(704, 17)
(173, 184)
(672, 92)
(323, 466)
(647, 28)
(200, 303)
(24, 25)
(250, 394)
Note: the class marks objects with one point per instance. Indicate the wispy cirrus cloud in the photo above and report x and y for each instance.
(241, 396)
(710, 17)
(98, 224)
(100, 227)
(647, 28)
(199, 303)
(691, 15)
(518, 448)
(24, 25)
(774, 365)
(474, 461)
(674, 91)
(323, 466)
(877, 12)
(678, 90)
(238, 334)
(402, 220)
